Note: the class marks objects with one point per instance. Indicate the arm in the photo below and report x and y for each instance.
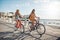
(20, 16)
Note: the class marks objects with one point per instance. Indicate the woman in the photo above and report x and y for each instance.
(18, 19)
(32, 19)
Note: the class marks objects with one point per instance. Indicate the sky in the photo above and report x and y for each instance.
(45, 9)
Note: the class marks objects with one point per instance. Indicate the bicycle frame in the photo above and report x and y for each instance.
(35, 26)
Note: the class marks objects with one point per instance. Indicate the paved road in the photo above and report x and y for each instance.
(6, 33)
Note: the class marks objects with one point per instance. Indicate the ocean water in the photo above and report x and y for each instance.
(54, 22)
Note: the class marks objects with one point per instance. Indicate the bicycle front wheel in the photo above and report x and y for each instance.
(41, 29)
(22, 28)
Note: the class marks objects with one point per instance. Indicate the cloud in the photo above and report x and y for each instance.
(54, 0)
(50, 11)
(26, 4)
(38, 1)
(44, 0)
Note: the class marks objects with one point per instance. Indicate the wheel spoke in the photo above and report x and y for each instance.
(41, 29)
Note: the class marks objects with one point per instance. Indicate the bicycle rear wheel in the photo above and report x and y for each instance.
(41, 29)
(35, 34)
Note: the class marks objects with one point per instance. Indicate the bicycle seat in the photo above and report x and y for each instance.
(30, 22)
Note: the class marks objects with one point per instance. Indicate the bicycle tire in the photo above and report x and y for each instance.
(39, 29)
(23, 29)
(35, 34)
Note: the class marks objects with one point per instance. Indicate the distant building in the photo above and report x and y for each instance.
(6, 14)
(0, 15)
(10, 15)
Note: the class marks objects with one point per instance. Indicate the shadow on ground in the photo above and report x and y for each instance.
(18, 36)
(58, 38)
(3, 34)
(6, 38)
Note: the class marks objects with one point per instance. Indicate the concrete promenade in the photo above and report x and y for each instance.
(6, 33)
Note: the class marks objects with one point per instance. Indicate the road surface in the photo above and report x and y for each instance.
(7, 33)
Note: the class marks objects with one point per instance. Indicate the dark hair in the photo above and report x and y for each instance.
(17, 10)
(33, 10)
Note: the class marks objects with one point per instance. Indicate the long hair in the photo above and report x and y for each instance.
(33, 12)
(17, 12)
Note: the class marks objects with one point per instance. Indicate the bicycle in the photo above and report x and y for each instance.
(38, 28)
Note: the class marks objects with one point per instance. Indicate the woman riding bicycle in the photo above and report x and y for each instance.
(32, 17)
(18, 19)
